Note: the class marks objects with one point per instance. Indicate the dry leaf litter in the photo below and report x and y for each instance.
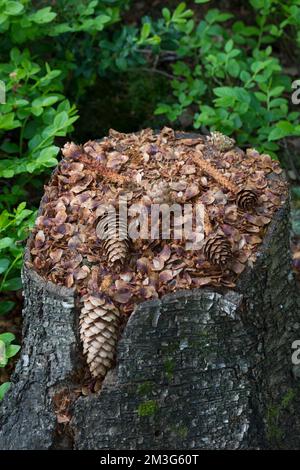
(239, 190)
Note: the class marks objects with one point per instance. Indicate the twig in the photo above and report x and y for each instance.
(215, 173)
(162, 72)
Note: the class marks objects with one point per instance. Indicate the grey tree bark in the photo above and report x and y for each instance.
(201, 369)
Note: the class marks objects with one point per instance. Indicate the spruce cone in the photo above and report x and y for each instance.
(221, 142)
(217, 250)
(246, 199)
(99, 328)
(113, 231)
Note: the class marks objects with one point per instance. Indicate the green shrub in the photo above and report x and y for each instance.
(37, 71)
(7, 350)
(224, 73)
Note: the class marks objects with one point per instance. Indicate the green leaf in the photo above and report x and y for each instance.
(214, 16)
(60, 29)
(162, 109)
(44, 15)
(154, 40)
(37, 110)
(12, 284)
(276, 91)
(280, 102)
(258, 4)
(245, 76)
(21, 207)
(22, 215)
(244, 30)
(166, 14)
(202, 1)
(233, 68)
(6, 242)
(224, 91)
(3, 20)
(282, 129)
(7, 338)
(4, 389)
(229, 45)
(102, 19)
(4, 263)
(13, 8)
(12, 350)
(146, 29)
(7, 122)
(180, 9)
(45, 101)
(261, 96)
(47, 154)
(6, 306)
(61, 119)
(181, 13)
(9, 147)
(8, 173)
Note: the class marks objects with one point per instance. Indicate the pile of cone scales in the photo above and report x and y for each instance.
(239, 191)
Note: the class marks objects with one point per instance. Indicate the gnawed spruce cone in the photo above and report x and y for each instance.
(99, 331)
(112, 229)
(217, 250)
(247, 199)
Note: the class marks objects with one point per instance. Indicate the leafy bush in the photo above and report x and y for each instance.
(14, 229)
(36, 72)
(237, 85)
(224, 72)
(7, 350)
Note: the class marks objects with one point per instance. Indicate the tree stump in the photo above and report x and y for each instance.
(197, 369)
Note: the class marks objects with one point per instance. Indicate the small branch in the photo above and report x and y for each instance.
(162, 72)
(214, 173)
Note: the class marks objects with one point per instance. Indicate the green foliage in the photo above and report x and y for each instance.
(37, 72)
(14, 228)
(36, 110)
(3, 389)
(7, 350)
(225, 72)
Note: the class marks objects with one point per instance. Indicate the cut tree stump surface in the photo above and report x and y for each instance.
(199, 369)
(195, 370)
